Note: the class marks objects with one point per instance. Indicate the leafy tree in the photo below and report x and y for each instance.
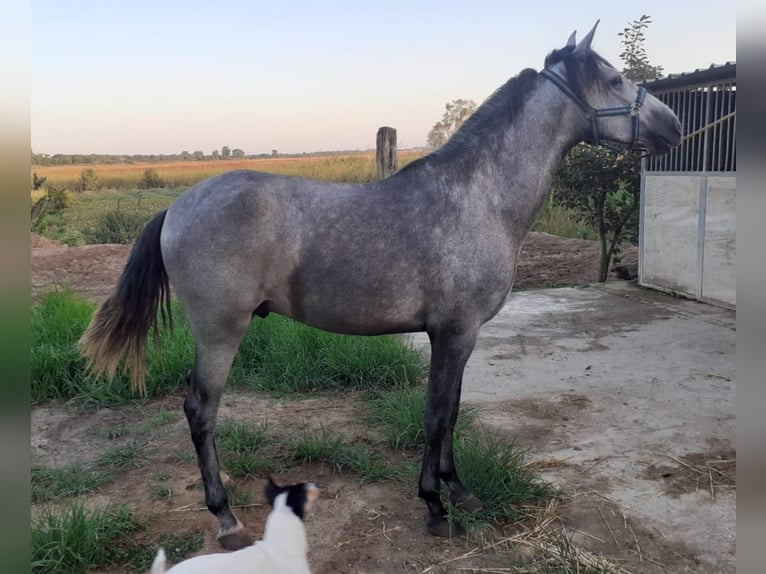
(198, 155)
(238, 153)
(456, 113)
(637, 67)
(216, 154)
(225, 152)
(603, 187)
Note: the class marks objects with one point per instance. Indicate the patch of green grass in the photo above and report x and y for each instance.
(121, 458)
(344, 456)
(162, 418)
(58, 370)
(242, 448)
(278, 355)
(400, 411)
(238, 495)
(496, 472)
(114, 431)
(282, 356)
(177, 548)
(118, 226)
(71, 539)
(57, 483)
(185, 456)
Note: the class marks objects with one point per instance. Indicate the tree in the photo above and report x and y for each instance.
(456, 113)
(225, 152)
(602, 185)
(637, 67)
(216, 154)
(238, 153)
(198, 155)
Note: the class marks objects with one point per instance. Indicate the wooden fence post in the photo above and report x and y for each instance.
(386, 152)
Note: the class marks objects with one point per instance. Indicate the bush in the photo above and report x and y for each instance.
(150, 180)
(117, 226)
(88, 180)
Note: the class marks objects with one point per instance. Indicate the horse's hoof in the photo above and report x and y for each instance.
(469, 504)
(440, 526)
(234, 539)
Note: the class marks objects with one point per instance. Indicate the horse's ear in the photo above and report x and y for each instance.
(572, 41)
(584, 46)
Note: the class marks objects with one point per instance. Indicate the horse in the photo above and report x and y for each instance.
(432, 248)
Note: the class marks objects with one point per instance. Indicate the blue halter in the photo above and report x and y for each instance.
(633, 110)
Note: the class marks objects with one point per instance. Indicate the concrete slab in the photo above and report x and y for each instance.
(615, 389)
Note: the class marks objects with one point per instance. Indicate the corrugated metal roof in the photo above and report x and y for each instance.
(710, 75)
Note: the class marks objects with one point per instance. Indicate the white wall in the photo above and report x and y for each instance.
(688, 231)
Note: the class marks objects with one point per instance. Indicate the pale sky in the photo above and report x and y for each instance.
(161, 77)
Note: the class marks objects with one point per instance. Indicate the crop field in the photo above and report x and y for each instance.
(356, 167)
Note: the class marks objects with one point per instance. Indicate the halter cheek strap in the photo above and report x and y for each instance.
(593, 114)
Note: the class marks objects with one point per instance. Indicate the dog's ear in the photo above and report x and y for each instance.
(270, 491)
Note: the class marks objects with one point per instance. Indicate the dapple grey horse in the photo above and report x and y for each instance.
(432, 248)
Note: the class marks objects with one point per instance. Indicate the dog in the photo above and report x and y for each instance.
(282, 550)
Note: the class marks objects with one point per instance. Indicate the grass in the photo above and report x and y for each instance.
(162, 418)
(344, 456)
(57, 483)
(563, 222)
(121, 458)
(71, 539)
(284, 357)
(400, 412)
(243, 449)
(496, 472)
(58, 370)
(278, 355)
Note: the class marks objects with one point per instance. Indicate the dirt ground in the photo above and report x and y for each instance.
(363, 528)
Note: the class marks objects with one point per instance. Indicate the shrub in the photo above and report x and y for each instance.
(117, 226)
(88, 180)
(150, 180)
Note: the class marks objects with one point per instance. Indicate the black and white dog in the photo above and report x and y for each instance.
(282, 550)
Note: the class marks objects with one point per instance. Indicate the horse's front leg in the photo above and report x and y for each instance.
(449, 354)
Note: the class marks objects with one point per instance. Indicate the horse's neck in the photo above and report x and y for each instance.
(515, 171)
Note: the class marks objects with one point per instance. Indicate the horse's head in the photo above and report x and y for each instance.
(617, 109)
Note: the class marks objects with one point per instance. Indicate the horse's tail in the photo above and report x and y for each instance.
(121, 323)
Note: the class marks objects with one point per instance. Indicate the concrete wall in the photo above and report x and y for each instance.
(688, 235)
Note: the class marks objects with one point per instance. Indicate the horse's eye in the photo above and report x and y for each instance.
(616, 82)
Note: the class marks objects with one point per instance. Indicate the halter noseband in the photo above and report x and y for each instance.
(633, 110)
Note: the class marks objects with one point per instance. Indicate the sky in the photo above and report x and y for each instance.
(162, 77)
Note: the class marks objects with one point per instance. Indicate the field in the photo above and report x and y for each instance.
(352, 168)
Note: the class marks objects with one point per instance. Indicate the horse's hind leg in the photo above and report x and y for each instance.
(449, 355)
(215, 348)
